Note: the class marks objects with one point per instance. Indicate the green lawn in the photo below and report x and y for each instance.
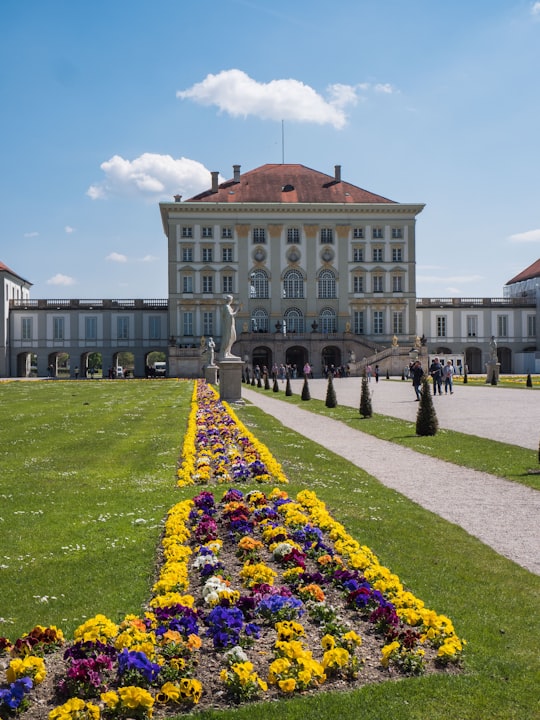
(87, 475)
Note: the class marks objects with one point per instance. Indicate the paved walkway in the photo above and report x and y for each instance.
(500, 513)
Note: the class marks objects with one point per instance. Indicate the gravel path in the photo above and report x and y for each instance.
(502, 514)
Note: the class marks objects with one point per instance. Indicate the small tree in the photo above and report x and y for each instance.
(288, 389)
(387, 374)
(305, 390)
(259, 382)
(529, 380)
(465, 378)
(426, 418)
(331, 400)
(266, 382)
(253, 383)
(275, 387)
(365, 399)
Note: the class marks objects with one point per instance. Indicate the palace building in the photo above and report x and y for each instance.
(321, 271)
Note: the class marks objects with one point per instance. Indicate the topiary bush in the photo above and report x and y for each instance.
(331, 400)
(366, 409)
(426, 418)
(288, 389)
(266, 382)
(305, 390)
(275, 387)
(529, 380)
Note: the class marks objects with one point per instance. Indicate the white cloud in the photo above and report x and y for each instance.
(234, 92)
(526, 237)
(149, 258)
(68, 229)
(117, 257)
(535, 9)
(31, 234)
(150, 175)
(384, 88)
(60, 279)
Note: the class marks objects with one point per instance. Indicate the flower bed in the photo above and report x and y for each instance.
(258, 596)
(219, 449)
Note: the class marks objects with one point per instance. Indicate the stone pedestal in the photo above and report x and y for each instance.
(492, 367)
(230, 379)
(210, 374)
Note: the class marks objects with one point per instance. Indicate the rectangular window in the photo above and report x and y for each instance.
(187, 254)
(358, 232)
(502, 326)
(531, 326)
(187, 284)
(397, 233)
(358, 319)
(26, 328)
(397, 254)
(441, 325)
(208, 284)
(378, 283)
(259, 235)
(377, 254)
(122, 328)
(207, 232)
(58, 328)
(187, 323)
(90, 328)
(227, 284)
(293, 235)
(207, 255)
(377, 233)
(378, 322)
(397, 323)
(208, 323)
(226, 233)
(327, 235)
(358, 254)
(472, 325)
(358, 284)
(226, 254)
(154, 327)
(397, 283)
(187, 231)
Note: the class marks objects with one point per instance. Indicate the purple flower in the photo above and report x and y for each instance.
(13, 696)
(135, 660)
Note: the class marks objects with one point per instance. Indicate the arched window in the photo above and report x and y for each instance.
(327, 284)
(294, 320)
(259, 284)
(259, 320)
(293, 284)
(327, 321)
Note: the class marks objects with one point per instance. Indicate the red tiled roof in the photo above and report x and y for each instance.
(4, 268)
(287, 184)
(533, 271)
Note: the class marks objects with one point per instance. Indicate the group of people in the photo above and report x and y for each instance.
(440, 374)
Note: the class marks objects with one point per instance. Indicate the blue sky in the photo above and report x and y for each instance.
(109, 107)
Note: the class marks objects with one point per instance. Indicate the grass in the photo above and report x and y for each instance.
(86, 476)
(507, 461)
(126, 473)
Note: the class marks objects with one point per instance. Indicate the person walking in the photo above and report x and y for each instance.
(435, 370)
(448, 375)
(376, 373)
(417, 374)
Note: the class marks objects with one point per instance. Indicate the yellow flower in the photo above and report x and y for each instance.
(288, 685)
(74, 708)
(110, 699)
(29, 666)
(135, 697)
(169, 693)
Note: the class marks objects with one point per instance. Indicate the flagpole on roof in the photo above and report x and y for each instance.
(283, 142)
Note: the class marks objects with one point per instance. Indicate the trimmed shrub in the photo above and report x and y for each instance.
(275, 387)
(288, 389)
(266, 382)
(529, 380)
(426, 418)
(305, 390)
(366, 409)
(331, 400)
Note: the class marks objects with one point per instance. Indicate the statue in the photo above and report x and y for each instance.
(210, 348)
(394, 341)
(352, 356)
(228, 329)
(417, 342)
(347, 327)
(493, 350)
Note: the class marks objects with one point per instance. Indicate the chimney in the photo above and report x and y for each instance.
(215, 181)
(177, 198)
(236, 171)
(337, 173)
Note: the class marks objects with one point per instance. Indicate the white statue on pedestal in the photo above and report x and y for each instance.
(228, 329)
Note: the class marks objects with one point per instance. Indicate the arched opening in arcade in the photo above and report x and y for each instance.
(123, 365)
(330, 356)
(153, 364)
(261, 356)
(504, 356)
(58, 365)
(473, 360)
(91, 365)
(27, 364)
(295, 359)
